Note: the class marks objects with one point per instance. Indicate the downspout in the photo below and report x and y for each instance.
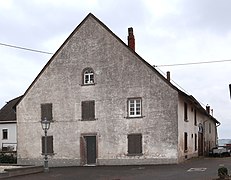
(218, 124)
(204, 136)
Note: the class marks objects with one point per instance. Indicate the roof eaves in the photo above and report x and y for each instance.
(198, 105)
(7, 112)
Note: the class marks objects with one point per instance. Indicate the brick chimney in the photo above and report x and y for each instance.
(131, 39)
(208, 109)
(168, 76)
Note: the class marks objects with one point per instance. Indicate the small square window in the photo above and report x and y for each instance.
(88, 76)
(134, 107)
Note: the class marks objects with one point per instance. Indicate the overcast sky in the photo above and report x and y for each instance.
(166, 32)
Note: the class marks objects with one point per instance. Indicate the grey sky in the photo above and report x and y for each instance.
(166, 32)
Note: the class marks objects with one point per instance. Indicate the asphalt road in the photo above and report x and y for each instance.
(194, 169)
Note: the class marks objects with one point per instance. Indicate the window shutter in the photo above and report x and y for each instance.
(135, 144)
(131, 144)
(138, 144)
(92, 109)
(50, 149)
(185, 141)
(195, 142)
(46, 111)
(82, 150)
(185, 111)
(88, 110)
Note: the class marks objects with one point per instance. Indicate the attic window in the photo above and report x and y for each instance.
(88, 76)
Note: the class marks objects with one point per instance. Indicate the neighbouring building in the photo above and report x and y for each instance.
(8, 123)
(108, 106)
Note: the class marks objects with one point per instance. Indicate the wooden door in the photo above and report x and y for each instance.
(90, 149)
(200, 144)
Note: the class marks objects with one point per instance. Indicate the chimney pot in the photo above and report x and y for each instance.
(208, 109)
(168, 76)
(131, 39)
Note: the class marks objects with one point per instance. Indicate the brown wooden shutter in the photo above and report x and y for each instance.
(131, 148)
(185, 111)
(88, 110)
(49, 145)
(138, 143)
(185, 141)
(134, 144)
(46, 111)
(82, 151)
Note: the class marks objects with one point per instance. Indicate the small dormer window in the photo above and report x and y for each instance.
(88, 76)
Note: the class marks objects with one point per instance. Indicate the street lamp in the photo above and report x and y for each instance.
(45, 126)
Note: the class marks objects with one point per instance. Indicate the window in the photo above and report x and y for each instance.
(185, 142)
(134, 144)
(195, 117)
(88, 76)
(195, 142)
(209, 128)
(46, 111)
(50, 149)
(134, 107)
(88, 110)
(185, 111)
(5, 134)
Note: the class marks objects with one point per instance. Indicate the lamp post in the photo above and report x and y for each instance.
(45, 126)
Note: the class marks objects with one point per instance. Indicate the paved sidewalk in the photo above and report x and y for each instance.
(194, 169)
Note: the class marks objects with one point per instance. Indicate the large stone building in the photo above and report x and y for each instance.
(108, 106)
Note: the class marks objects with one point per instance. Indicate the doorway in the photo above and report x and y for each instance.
(200, 140)
(89, 150)
(200, 144)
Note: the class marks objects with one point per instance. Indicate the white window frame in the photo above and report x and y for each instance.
(88, 76)
(134, 107)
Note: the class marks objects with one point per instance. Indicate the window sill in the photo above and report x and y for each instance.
(88, 84)
(186, 120)
(185, 151)
(134, 117)
(138, 154)
(51, 121)
(88, 119)
(49, 154)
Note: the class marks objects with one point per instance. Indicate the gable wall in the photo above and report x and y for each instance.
(119, 75)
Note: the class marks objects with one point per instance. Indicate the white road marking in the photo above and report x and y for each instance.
(197, 169)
